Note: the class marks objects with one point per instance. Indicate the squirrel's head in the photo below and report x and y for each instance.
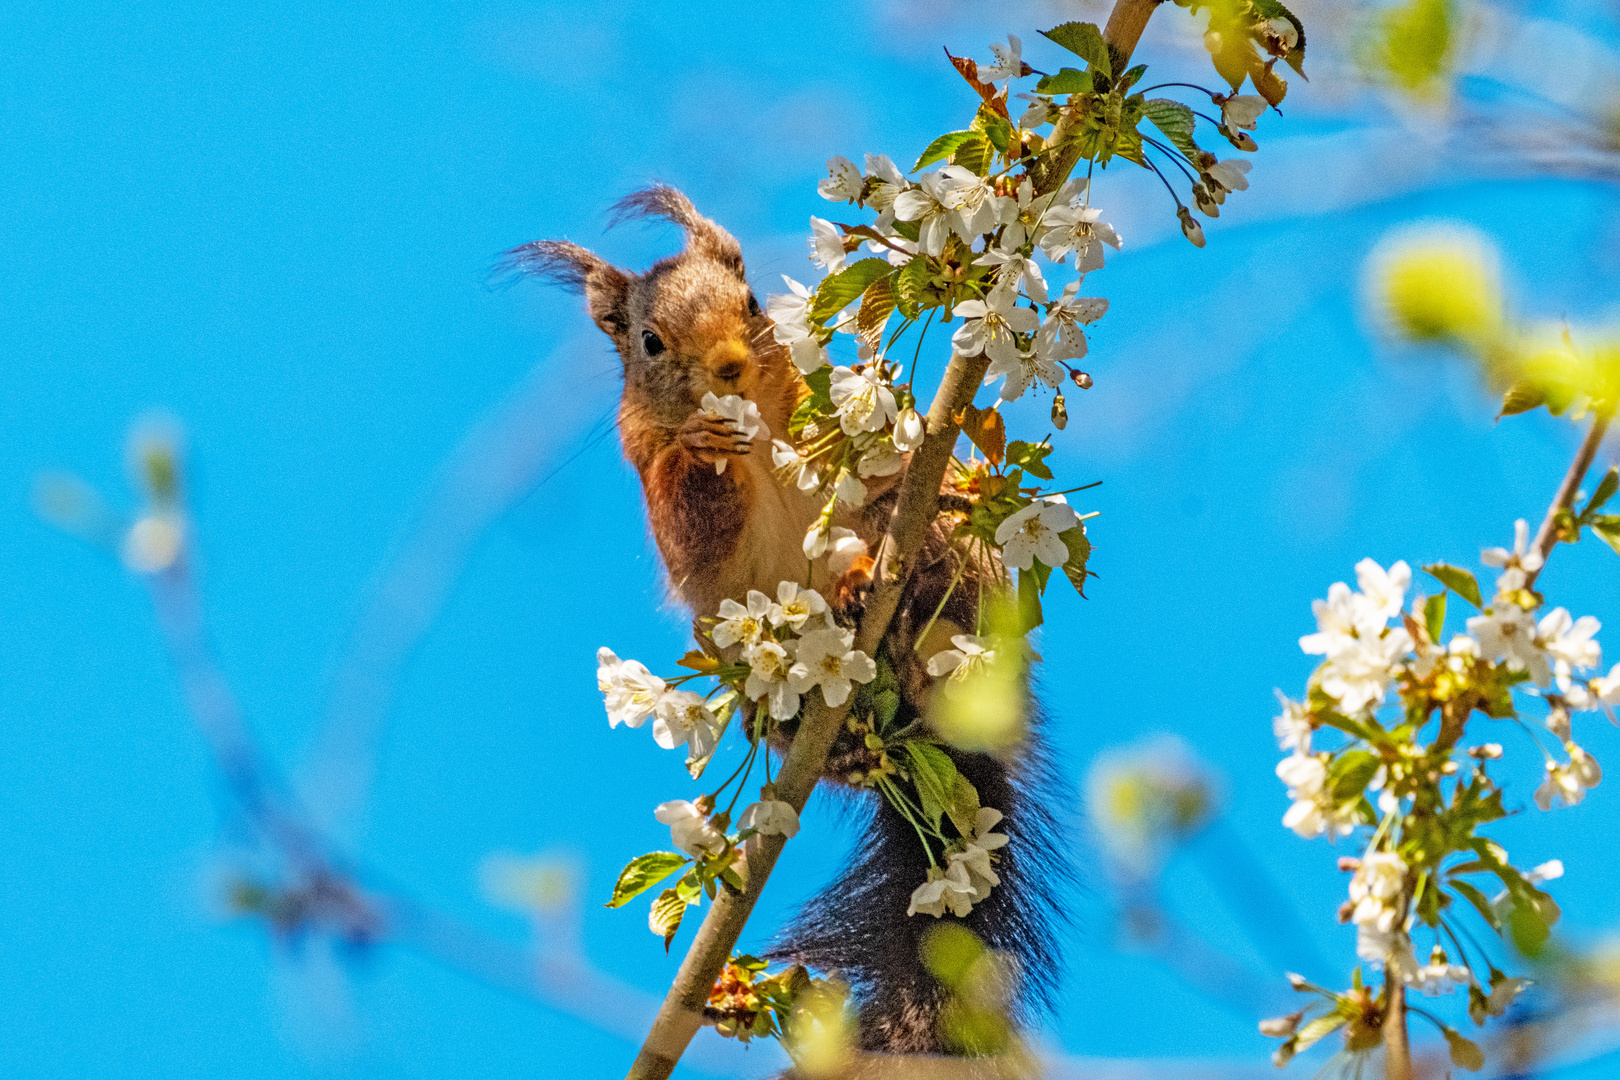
(688, 326)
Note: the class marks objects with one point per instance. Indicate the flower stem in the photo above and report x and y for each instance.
(1547, 535)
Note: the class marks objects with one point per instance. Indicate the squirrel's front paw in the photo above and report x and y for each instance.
(713, 439)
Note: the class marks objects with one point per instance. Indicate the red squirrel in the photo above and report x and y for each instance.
(691, 326)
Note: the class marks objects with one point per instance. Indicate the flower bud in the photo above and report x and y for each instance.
(1240, 139)
(1193, 231)
(1206, 205)
(704, 804)
(1060, 413)
(1082, 380)
(908, 430)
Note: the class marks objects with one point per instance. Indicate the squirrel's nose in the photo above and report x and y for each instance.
(726, 359)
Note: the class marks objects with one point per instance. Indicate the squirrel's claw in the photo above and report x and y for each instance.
(711, 438)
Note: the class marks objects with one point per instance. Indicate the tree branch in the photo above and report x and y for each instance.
(1547, 535)
(682, 1012)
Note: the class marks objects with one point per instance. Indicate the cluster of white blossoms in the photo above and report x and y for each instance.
(792, 645)
(1362, 650)
(1378, 909)
(632, 694)
(968, 874)
(699, 834)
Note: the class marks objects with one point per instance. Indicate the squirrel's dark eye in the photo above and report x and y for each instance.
(652, 343)
(753, 306)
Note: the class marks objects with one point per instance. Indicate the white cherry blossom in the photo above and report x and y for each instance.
(748, 625)
(1066, 228)
(683, 718)
(1508, 633)
(771, 817)
(743, 414)
(826, 659)
(1060, 336)
(796, 605)
(1021, 370)
(629, 690)
(880, 459)
(689, 828)
(1385, 590)
(926, 205)
(1009, 61)
(843, 182)
(1035, 533)
(790, 312)
(769, 663)
(1016, 269)
(970, 657)
(864, 400)
(849, 490)
(973, 203)
(975, 854)
(1293, 726)
(1228, 175)
(826, 246)
(945, 890)
(784, 456)
(990, 324)
(1242, 111)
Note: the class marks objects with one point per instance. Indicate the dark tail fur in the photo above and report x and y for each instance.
(858, 929)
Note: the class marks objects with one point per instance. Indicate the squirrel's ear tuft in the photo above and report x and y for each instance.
(557, 262)
(703, 237)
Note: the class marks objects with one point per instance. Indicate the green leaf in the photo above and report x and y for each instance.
(1458, 580)
(1175, 120)
(837, 292)
(942, 147)
(1350, 773)
(1521, 398)
(912, 285)
(1085, 41)
(1271, 9)
(885, 704)
(1434, 616)
(1605, 491)
(1481, 904)
(1607, 526)
(1079, 551)
(877, 303)
(1029, 598)
(1031, 457)
(690, 887)
(665, 917)
(642, 873)
(964, 805)
(934, 774)
(1066, 81)
(995, 127)
(976, 155)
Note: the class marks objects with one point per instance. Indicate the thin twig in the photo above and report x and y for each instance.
(1547, 535)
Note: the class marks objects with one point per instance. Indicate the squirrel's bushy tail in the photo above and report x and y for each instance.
(858, 929)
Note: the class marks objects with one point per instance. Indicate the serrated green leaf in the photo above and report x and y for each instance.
(964, 805)
(838, 291)
(1133, 76)
(1521, 398)
(1434, 616)
(1066, 81)
(1175, 120)
(976, 155)
(665, 917)
(942, 147)
(642, 873)
(877, 304)
(1031, 457)
(1607, 527)
(1458, 580)
(1079, 552)
(690, 887)
(1085, 41)
(912, 286)
(934, 774)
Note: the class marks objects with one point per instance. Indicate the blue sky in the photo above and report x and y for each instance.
(276, 221)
